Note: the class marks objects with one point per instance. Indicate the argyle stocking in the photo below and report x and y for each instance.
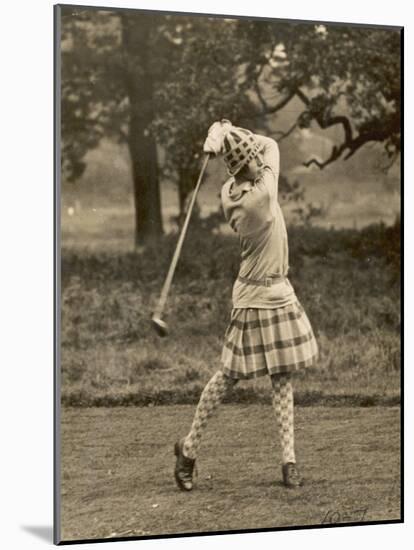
(212, 395)
(282, 401)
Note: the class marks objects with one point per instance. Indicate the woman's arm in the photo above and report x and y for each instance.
(271, 158)
(270, 152)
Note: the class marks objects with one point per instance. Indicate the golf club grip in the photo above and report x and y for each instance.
(168, 280)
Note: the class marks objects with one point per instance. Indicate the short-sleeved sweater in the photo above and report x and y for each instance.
(253, 212)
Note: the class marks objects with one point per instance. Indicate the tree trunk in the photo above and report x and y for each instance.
(137, 33)
(187, 179)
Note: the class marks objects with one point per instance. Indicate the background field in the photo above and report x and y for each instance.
(347, 280)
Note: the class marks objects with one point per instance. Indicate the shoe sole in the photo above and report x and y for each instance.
(293, 485)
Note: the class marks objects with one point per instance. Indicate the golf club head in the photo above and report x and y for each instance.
(160, 326)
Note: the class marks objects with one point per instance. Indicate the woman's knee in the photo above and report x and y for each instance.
(227, 380)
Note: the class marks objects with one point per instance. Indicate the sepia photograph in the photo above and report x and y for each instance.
(228, 203)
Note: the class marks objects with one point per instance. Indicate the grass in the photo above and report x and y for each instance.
(117, 470)
(347, 280)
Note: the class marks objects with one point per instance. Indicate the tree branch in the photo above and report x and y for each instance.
(325, 120)
(284, 101)
(351, 143)
(283, 135)
(364, 137)
(335, 154)
(302, 96)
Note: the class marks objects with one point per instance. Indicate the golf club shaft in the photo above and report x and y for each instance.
(168, 280)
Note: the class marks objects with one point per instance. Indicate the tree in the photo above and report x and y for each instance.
(142, 79)
(137, 35)
(343, 75)
(203, 86)
(109, 70)
(155, 79)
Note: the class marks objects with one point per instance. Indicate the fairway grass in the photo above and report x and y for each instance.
(117, 470)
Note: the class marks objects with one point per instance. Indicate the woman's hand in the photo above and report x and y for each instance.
(217, 131)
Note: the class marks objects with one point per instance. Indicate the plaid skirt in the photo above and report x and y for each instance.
(268, 341)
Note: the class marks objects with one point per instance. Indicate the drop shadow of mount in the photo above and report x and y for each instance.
(44, 532)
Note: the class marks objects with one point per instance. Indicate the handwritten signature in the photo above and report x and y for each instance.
(344, 515)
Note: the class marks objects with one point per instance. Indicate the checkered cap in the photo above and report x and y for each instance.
(239, 147)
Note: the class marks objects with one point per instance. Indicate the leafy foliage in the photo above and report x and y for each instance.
(203, 87)
(199, 69)
(343, 75)
(93, 95)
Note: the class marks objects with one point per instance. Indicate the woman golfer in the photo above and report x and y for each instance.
(269, 332)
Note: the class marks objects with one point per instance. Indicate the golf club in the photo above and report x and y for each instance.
(159, 325)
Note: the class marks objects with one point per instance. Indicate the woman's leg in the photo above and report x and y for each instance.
(213, 394)
(187, 448)
(282, 400)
